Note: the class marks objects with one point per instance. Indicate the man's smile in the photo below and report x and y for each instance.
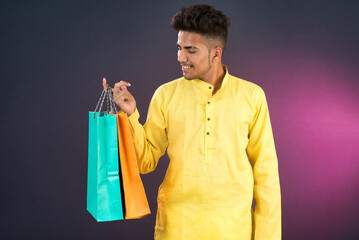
(186, 67)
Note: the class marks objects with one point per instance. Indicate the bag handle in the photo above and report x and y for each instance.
(111, 106)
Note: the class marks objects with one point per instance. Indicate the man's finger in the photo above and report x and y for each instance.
(122, 94)
(125, 83)
(118, 86)
(104, 83)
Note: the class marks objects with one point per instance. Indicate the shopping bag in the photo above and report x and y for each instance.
(136, 205)
(104, 200)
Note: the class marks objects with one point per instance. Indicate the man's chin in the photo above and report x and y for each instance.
(188, 77)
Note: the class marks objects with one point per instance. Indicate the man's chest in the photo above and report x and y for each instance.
(192, 114)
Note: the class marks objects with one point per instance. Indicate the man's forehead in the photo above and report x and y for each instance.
(189, 39)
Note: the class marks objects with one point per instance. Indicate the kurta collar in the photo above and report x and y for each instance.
(206, 86)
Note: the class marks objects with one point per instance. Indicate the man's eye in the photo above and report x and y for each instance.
(192, 51)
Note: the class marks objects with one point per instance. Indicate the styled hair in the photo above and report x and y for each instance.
(204, 20)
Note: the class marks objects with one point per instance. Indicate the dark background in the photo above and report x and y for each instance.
(304, 54)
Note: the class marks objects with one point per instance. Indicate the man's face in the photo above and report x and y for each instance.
(193, 55)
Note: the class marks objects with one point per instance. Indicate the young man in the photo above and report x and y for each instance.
(211, 123)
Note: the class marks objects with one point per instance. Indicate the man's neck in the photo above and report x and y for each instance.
(216, 78)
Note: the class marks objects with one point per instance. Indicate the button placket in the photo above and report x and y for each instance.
(208, 113)
(209, 133)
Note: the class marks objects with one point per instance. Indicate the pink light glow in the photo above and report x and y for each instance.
(315, 117)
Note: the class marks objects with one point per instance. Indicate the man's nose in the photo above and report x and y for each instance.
(181, 56)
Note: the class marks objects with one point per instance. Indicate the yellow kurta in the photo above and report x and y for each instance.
(208, 189)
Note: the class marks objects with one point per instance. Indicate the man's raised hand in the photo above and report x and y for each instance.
(122, 97)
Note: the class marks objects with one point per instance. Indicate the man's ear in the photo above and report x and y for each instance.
(217, 54)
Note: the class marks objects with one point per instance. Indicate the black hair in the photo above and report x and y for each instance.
(202, 19)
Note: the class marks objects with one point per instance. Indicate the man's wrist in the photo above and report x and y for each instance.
(129, 114)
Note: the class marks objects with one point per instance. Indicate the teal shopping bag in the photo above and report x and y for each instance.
(103, 182)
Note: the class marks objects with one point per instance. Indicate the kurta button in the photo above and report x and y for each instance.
(207, 133)
(208, 102)
(210, 87)
(208, 119)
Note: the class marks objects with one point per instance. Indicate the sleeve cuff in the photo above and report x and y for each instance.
(134, 117)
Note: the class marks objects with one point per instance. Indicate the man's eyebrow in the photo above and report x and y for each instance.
(188, 47)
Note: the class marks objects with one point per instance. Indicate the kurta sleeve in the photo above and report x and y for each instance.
(150, 139)
(262, 154)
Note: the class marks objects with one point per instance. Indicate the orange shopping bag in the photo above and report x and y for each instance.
(136, 205)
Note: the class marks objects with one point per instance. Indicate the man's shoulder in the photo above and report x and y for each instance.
(170, 86)
(243, 85)
(240, 82)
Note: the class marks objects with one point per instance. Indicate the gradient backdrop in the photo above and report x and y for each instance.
(54, 54)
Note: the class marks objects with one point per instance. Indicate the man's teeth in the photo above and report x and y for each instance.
(186, 67)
